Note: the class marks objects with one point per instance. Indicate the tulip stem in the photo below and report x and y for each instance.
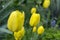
(16, 38)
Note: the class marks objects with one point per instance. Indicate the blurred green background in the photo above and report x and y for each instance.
(50, 18)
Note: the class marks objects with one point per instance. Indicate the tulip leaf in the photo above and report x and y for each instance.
(5, 31)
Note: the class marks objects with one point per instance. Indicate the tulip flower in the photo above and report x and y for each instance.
(18, 35)
(40, 30)
(34, 29)
(35, 19)
(15, 21)
(46, 3)
(33, 10)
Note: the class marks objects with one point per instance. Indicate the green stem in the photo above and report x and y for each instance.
(16, 38)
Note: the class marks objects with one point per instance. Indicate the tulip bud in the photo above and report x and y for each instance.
(46, 3)
(40, 30)
(15, 21)
(33, 10)
(34, 29)
(18, 35)
(35, 19)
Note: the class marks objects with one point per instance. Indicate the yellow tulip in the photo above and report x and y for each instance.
(34, 29)
(46, 3)
(15, 21)
(33, 10)
(40, 30)
(18, 35)
(35, 19)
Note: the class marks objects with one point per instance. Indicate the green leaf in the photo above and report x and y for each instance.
(5, 31)
(39, 1)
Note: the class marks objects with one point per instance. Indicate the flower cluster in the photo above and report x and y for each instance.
(15, 24)
(34, 21)
(16, 21)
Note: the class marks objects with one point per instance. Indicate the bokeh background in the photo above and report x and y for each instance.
(50, 18)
